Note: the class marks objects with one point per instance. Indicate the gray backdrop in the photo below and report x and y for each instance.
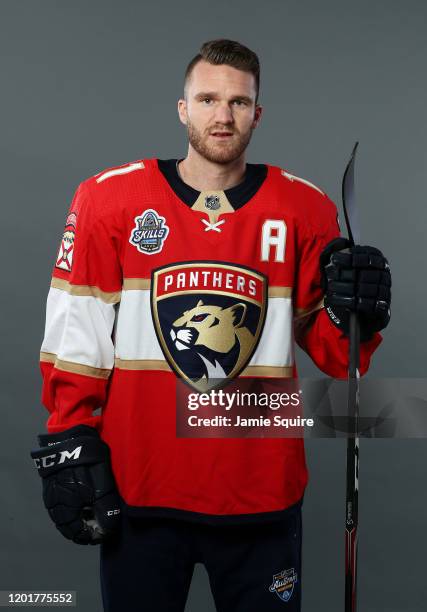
(90, 84)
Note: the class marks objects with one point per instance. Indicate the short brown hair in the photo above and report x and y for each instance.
(230, 52)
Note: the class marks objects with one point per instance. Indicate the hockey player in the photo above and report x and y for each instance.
(189, 268)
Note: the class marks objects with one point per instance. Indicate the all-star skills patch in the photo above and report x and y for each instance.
(150, 232)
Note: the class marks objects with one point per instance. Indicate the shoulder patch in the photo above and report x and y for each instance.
(292, 178)
(150, 232)
(64, 258)
(125, 169)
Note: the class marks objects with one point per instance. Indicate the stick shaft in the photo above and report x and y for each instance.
(352, 492)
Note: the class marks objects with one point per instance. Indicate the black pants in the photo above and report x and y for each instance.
(251, 568)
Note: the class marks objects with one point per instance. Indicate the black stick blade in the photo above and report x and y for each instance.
(349, 203)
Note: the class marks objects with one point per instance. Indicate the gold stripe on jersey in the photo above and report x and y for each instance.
(48, 357)
(73, 367)
(303, 312)
(86, 291)
(268, 371)
(155, 364)
(142, 364)
(136, 283)
(280, 292)
(158, 364)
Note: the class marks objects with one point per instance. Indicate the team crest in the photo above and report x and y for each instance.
(212, 202)
(150, 232)
(283, 584)
(208, 317)
(64, 259)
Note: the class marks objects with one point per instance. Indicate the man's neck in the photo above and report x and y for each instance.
(202, 174)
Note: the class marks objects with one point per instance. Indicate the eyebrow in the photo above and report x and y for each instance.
(212, 94)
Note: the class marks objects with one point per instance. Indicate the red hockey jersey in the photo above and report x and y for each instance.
(141, 293)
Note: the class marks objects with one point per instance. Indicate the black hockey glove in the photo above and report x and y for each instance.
(79, 491)
(356, 279)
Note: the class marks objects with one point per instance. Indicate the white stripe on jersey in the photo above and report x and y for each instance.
(292, 177)
(275, 347)
(78, 329)
(121, 170)
(136, 338)
(135, 334)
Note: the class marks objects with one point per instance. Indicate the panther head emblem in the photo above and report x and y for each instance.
(216, 335)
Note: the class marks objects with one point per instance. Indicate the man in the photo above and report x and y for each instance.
(199, 268)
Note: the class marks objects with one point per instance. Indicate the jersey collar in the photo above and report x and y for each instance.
(237, 196)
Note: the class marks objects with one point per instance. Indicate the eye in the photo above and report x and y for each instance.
(207, 100)
(239, 102)
(198, 318)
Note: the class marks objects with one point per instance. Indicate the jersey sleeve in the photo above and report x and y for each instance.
(314, 332)
(77, 353)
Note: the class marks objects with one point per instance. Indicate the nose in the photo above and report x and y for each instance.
(223, 113)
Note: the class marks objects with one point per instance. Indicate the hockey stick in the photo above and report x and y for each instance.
(352, 484)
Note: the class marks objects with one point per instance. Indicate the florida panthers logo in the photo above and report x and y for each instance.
(208, 318)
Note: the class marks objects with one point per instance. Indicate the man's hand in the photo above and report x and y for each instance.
(79, 491)
(356, 278)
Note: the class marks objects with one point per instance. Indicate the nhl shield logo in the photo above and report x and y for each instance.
(283, 584)
(149, 233)
(208, 317)
(212, 202)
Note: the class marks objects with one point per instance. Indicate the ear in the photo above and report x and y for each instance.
(182, 110)
(199, 303)
(239, 312)
(257, 115)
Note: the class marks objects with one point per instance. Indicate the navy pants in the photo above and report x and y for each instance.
(252, 568)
